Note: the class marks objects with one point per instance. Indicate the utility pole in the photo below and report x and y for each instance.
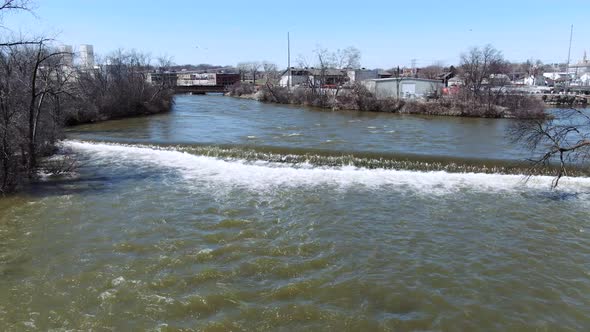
(567, 67)
(288, 62)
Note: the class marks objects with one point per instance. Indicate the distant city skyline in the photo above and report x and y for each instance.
(387, 34)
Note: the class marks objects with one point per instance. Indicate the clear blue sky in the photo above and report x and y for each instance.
(388, 33)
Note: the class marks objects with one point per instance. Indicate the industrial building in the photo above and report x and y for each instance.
(403, 87)
(359, 75)
(313, 76)
(190, 78)
(206, 79)
(330, 76)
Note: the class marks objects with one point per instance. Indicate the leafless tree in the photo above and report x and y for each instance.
(564, 139)
(164, 62)
(271, 71)
(431, 72)
(254, 68)
(243, 68)
(484, 71)
(348, 58)
(33, 82)
(478, 64)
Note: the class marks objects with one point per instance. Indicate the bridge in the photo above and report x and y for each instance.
(200, 89)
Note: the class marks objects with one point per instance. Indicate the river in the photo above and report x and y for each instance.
(229, 214)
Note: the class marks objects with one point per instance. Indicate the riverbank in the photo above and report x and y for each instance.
(14, 173)
(41, 93)
(358, 99)
(566, 100)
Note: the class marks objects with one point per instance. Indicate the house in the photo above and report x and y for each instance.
(403, 87)
(455, 81)
(557, 76)
(384, 74)
(445, 77)
(313, 77)
(534, 80)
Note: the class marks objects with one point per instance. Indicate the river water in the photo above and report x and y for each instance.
(229, 214)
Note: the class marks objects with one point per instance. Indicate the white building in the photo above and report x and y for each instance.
(534, 80)
(455, 81)
(557, 76)
(86, 56)
(67, 56)
(403, 87)
(580, 68)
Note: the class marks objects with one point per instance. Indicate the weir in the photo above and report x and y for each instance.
(260, 170)
(326, 158)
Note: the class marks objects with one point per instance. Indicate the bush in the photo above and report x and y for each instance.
(241, 88)
(275, 94)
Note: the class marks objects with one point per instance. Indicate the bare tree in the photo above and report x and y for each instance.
(243, 68)
(431, 72)
(164, 62)
(13, 5)
(254, 68)
(349, 58)
(270, 71)
(564, 138)
(478, 64)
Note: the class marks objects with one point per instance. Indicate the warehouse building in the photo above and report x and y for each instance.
(403, 87)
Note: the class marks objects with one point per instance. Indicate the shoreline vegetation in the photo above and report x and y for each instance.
(481, 87)
(358, 98)
(41, 93)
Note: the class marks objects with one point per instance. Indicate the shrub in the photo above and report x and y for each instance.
(241, 88)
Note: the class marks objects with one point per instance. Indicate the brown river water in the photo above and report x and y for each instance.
(232, 215)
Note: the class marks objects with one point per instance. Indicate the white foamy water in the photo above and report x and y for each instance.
(264, 175)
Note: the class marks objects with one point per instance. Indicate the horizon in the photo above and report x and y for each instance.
(259, 33)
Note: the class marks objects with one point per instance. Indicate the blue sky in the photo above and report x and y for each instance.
(388, 33)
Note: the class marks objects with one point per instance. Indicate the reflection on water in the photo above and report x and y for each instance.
(167, 239)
